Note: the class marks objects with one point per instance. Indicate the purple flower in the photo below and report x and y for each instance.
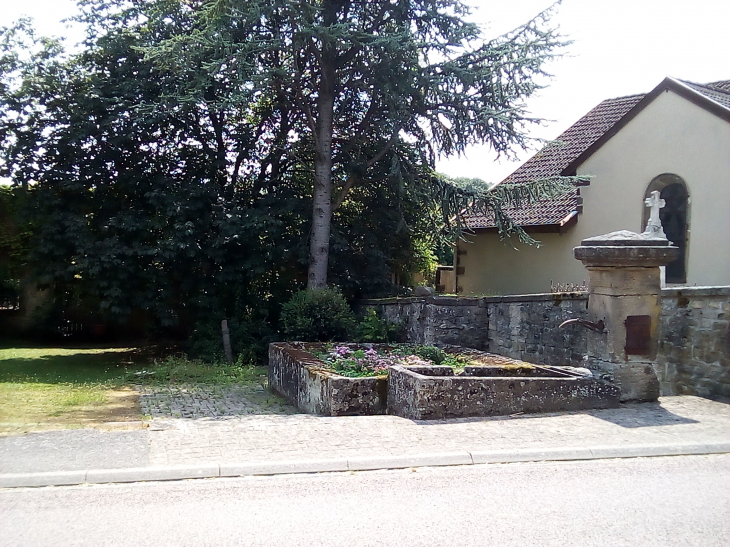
(342, 351)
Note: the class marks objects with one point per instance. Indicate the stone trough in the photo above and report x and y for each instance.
(491, 385)
(434, 392)
(305, 381)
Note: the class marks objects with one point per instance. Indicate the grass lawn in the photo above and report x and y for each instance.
(60, 388)
(57, 388)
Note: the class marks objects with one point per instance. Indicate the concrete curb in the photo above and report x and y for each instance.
(207, 471)
(402, 462)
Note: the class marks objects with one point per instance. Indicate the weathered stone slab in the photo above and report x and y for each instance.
(425, 393)
(303, 379)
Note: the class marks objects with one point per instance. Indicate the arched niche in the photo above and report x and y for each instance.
(674, 217)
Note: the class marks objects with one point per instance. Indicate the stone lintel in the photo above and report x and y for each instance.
(625, 238)
(625, 256)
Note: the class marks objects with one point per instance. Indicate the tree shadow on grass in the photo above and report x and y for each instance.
(71, 365)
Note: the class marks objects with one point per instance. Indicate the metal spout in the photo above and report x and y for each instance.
(599, 327)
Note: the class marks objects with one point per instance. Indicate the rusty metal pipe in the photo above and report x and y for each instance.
(599, 327)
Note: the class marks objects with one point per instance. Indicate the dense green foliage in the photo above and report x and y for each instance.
(373, 91)
(172, 166)
(374, 328)
(250, 334)
(317, 315)
(14, 236)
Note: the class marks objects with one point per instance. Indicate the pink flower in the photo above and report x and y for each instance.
(342, 351)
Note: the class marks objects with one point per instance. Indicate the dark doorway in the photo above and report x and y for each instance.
(674, 221)
(674, 217)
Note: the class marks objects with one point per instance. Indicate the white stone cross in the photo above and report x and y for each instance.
(654, 226)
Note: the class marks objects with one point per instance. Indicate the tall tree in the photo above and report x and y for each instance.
(132, 195)
(377, 88)
(198, 155)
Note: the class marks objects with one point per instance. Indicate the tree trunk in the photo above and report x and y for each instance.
(322, 202)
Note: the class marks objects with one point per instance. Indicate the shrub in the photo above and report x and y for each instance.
(354, 361)
(317, 315)
(430, 353)
(438, 356)
(373, 328)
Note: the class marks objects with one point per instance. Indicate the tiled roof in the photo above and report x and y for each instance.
(724, 85)
(717, 91)
(554, 158)
(551, 160)
(541, 213)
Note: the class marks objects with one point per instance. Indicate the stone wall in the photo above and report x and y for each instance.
(438, 320)
(522, 327)
(694, 347)
(526, 328)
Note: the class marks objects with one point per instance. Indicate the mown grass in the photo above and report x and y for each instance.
(51, 388)
(46, 388)
(181, 370)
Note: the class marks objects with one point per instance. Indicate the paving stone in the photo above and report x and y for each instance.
(279, 437)
(268, 430)
(197, 402)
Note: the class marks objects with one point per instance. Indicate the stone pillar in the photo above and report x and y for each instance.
(624, 291)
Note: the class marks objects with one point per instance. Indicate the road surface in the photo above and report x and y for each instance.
(639, 502)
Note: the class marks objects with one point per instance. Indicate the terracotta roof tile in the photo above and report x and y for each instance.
(543, 212)
(554, 158)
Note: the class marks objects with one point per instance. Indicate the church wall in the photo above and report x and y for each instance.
(671, 135)
(494, 267)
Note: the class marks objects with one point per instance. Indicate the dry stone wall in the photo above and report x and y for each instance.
(438, 320)
(694, 348)
(526, 328)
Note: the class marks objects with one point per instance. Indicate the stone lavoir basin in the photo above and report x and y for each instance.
(306, 381)
(489, 385)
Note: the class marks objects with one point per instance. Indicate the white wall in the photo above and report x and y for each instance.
(492, 267)
(671, 135)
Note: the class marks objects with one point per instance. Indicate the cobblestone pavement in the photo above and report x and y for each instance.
(287, 436)
(241, 424)
(197, 401)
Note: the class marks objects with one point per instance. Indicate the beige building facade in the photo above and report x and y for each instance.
(675, 140)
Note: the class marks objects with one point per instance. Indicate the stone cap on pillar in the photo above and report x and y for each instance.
(625, 248)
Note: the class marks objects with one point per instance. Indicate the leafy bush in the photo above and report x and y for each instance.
(317, 315)
(438, 356)
(373, 328)
(430, 353)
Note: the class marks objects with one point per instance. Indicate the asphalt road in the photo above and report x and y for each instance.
(638, 502)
